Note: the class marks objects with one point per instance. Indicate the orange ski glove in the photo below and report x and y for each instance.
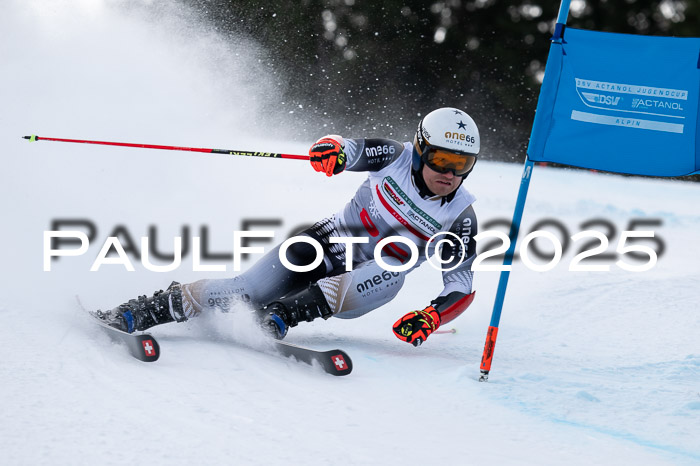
(327, 156)
(415, 327)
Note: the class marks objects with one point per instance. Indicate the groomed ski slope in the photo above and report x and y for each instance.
(589, 368)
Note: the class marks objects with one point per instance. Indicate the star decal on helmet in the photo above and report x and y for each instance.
(457, 112)
(462, 125)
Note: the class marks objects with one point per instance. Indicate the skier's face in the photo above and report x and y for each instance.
(441, 184)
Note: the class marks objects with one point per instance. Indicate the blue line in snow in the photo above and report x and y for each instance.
(631, 438)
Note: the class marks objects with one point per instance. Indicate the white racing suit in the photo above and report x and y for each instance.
(391, 202)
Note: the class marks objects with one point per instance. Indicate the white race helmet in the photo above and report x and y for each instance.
(447, 129)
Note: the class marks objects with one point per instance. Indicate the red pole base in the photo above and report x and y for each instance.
(487, 357)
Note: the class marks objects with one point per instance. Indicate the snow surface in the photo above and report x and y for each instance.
(590, 367)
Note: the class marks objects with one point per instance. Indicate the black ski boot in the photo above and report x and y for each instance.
(145, 312)
(286, 312)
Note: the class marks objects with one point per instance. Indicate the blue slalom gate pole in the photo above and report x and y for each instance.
(492, 333)
(487, 356)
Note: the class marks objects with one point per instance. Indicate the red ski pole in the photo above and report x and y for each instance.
(33, 138)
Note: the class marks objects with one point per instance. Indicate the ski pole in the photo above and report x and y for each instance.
(33, 138)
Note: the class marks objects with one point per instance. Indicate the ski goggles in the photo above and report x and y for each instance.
(443, 161)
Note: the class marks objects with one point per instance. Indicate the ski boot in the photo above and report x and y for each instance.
(145, 312)
(306, 305)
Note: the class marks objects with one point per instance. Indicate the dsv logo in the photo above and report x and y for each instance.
(602, 99)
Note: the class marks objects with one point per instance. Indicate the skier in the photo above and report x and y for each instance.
(412, 191)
